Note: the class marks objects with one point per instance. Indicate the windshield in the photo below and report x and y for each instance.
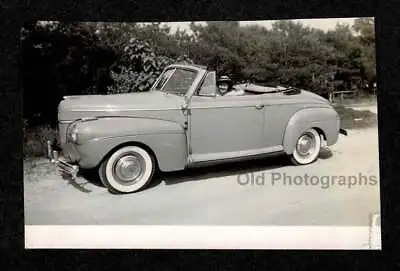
(209, 86)
(176, 81)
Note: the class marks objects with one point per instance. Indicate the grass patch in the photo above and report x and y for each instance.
(35, 140)
(356, 119)
(365, 100)
(36, 166)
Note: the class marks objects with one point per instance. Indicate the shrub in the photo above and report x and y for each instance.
(35, 140)
(140, 67)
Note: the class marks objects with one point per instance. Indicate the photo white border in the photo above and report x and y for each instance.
(201, 237)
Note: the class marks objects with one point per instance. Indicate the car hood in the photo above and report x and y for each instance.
(74, 107)
(154, 99)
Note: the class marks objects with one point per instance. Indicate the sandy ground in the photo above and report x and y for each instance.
(220, 195)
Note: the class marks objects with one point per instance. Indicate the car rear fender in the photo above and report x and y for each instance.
(325, 120)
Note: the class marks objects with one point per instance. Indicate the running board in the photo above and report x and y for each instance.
(215, 158)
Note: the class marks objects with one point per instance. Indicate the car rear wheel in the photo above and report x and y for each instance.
(307, 148)
(127, 170)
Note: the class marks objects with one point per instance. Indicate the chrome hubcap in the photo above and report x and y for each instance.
(305, 145)
(128, 168)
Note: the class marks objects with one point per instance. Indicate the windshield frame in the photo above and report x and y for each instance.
(175, 68)
(160, 77)
(201, 71)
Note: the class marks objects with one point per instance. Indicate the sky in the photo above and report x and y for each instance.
(324, 24)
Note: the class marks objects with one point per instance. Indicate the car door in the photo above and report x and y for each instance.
(223, 127)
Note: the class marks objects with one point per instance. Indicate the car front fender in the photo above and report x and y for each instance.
(325, 120)
(165, 139)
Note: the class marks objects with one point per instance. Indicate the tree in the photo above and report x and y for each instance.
(95, 57)
(60, 59)
(365, 30)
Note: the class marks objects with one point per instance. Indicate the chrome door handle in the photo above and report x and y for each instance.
(259, 106)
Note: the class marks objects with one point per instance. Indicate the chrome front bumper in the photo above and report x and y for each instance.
(62, 166)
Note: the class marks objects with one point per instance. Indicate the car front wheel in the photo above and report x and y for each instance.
(307, 148)
(127, 170)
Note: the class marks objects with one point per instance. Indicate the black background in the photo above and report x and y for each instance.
(14, 13)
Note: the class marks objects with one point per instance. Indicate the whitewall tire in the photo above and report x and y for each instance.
(307, 148)
(127, 170)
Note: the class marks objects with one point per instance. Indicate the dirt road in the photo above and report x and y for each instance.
(224, 195)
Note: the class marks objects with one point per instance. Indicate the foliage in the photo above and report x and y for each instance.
(35, 140)
(365, 30)
(60, 59)
(101, 58)
(141, 67)
(288, 54)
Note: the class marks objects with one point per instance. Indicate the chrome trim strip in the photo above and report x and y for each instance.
(146, 109)
(193, 164)
(164, 109)
(222, 106)
(246, 105)
(122, 109)
(95, 139)
(139, 117)
(235, 154)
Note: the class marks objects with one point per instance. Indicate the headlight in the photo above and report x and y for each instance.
(72, 132)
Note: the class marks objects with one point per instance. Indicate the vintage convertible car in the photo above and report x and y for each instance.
(182, 123)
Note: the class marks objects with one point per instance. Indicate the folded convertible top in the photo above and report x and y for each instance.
(258, 88)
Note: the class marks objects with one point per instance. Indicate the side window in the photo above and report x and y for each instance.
(209, 86)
